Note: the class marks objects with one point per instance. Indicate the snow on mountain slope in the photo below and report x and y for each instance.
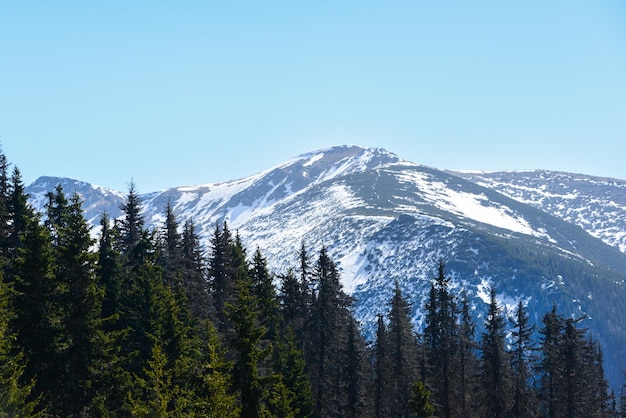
(385, 219)
(598, 205)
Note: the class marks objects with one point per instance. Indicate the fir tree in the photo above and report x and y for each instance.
(14, 395)
(382, 370)
(468, 363)
(327, 355)
(78, 301)
(420, 405)
(194, 273)
(494, 371)
(522, 360)
(403, 354)
(222, 271)
(442, 342)
(290, 364)
(249, 354)
(265, 294)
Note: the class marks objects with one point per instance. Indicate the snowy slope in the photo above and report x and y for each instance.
(384, 219)
(598, 205)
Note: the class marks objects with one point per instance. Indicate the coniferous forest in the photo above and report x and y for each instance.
(148, 323)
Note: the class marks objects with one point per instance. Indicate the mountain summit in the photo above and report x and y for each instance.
(385, 219)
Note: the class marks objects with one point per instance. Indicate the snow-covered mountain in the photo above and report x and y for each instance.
(385, 219)
(596, 204)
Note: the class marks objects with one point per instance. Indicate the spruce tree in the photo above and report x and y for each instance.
(36, 316)
(289, 363)
(403, 354)
(195, 273)
(327, 349)
(522, 362)
(441, 338)
(78, 302)
(468, 363)
(246, 343)
(382, 375)
(293, 307)
(222, 272)
(216, 397)
(550, 365)
(14, 395)
(494, 373)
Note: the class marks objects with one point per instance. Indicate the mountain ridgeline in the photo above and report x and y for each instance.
(386, 220)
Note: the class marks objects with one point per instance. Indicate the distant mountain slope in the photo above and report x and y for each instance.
(385, 219)
(596, 204)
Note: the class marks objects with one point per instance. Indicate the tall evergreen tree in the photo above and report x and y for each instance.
(249, 354)
(222, 272)
(550, 365)
(265, 294)
(195, 273)
(468, 363)
(382, 370)
(441, 342)
(494, 371)
(289, 363)
(403, 354)
(31, 274)
(522, 361)
(170, 249)
(14, 395)
(78, 301)
(328, 345)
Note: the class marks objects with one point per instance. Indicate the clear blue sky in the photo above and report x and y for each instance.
(175, 93)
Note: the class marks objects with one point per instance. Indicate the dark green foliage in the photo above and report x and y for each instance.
(246, 344)
(441, 340)
(14, 395)
(194, 274)
(403, 355)
(494, 374)
(468, 363)
(265, 293)
(132, 330)
(523, 359)
(419, 403)
(289, 363)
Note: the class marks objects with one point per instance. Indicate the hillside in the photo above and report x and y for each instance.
(384, 219)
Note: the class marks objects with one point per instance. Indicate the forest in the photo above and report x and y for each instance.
(148, 323)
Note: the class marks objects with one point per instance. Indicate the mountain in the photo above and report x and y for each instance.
(384, 219)
(596, 204)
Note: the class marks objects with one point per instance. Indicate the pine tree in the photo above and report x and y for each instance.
(170, 249)
(403, 354)
(215, 394)
(382, 375)
(249, 354)
(195, 273)
(441, 337)
(494, 373)
(356, 372)
(550, 365)
(31, 274)
(265, 294)
(293, 307)
(328, 339)
(14, 395)
(222, 271)
(290, 364)
(156, 392)
(419, 403)
(468, 363)
(522, 360)
(78, 301)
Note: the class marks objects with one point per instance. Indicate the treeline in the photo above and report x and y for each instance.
(148, 323)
